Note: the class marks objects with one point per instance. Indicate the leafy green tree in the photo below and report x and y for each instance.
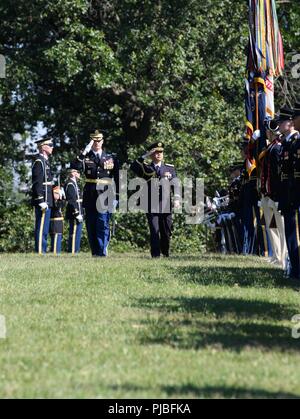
(137, 70)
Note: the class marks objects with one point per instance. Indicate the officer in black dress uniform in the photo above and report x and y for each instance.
(74, 212)
(289, 201)
(42, 193)
(101, 176)
(159, 213)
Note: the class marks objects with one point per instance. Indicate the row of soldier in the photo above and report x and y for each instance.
(262, 217)
(101, 171)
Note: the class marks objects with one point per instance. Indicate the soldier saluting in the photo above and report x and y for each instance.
(159, 213)
(42, 193)
(101, 175)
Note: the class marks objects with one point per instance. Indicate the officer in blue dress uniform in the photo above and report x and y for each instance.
(57, 221)
(42, 193)
(74, 212)
(101, 176)
(159, 214)
(289, 200)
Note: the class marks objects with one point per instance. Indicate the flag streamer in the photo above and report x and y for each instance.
(265, 46)
(265, 62)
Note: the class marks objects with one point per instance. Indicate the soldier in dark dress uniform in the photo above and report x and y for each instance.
(270, 177)
(289, 200)
(102, 177)
(74, 212)
(57, 221)
(159, 212)
(256, 241)
(42, 194)
(249, 200)
(234, 208)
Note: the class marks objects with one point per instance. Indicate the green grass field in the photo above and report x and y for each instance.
(130, 327)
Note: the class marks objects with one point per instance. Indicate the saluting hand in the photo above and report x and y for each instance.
(148, 154)
(88, 148)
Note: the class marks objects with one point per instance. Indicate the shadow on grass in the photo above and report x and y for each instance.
(226, 392)
(233, 324)
(236, 308)
(208, 392)
(233, 276)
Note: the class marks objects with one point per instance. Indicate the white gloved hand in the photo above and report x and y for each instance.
(256, 135)
(79, 218)
(88, 148)
(44, 206)
(148, 154)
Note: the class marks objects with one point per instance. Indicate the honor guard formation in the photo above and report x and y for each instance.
(257, 215)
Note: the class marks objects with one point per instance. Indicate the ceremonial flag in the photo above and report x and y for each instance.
(264, 62)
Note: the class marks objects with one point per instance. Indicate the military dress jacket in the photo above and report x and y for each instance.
(165, 172)
(271, 171)
(74, 200)
(42, 182)
(57, 219)
(290, 173)
(99, 175)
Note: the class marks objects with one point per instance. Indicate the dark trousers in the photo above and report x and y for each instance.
(249, 236)
(56, 243)
(232, 231)
(263, 239)
(256, 239)
(292, 233)
(42, 226)
(98, 229)
(75, 234)
(160, 231)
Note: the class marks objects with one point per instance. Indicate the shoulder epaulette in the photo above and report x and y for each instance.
(38, 160)
(170, 165)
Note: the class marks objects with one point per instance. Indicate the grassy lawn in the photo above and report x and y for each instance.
(129, 327)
